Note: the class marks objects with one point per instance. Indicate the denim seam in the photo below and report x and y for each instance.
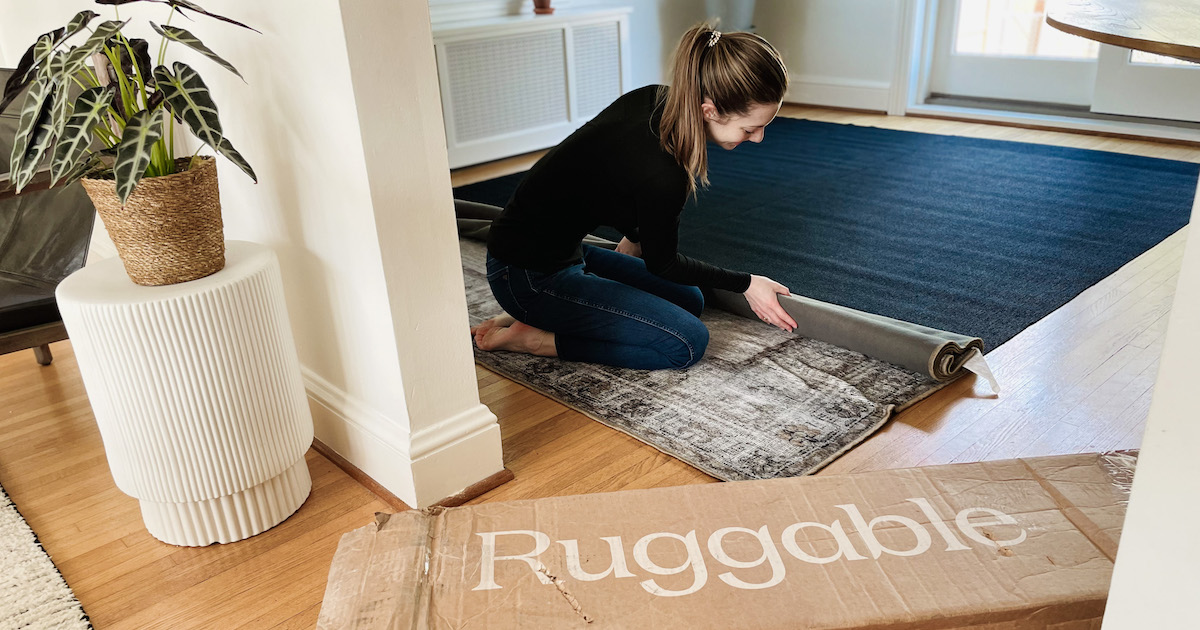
(637, 318)
(529, 281)
(506, 271)
(524, 311)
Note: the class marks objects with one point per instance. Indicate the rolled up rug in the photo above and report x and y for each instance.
(939, 354)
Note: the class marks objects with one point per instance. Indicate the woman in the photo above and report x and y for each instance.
(632, 167)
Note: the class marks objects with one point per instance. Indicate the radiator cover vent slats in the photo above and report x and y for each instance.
(507, 84)
(597, 66)
(519, 84)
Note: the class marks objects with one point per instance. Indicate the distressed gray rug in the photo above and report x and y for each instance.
(762, 403)
(33, 593)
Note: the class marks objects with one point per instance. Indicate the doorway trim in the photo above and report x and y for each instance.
(910, 88)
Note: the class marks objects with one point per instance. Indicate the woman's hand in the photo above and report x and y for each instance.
(764, 301)
(630, 248)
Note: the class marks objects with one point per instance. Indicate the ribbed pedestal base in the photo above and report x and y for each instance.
(232, 517)
(197, 392)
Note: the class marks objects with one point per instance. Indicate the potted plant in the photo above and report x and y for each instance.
(100, 111)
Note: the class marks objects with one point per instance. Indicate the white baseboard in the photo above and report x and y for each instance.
(365, 418)
(839, 92)
(1066, 123)
(429, 440)
(362, 435)
(439, 461)
(456, 453)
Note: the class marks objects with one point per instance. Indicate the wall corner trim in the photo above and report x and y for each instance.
(356, 413)
(418, 468)
(453, 429)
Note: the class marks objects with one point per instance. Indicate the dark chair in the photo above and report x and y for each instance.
(44, 237)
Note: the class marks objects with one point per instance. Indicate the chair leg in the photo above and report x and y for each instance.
(43, 355)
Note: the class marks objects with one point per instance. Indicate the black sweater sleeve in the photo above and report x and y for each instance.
(658, 227)
(611, 172)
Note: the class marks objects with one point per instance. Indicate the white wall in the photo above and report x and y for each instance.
(360, 215)
(840, 53)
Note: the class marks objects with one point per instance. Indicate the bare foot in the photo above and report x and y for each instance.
(502, 321)
(516, 337)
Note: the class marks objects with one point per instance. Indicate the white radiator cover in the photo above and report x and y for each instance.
(518, 84)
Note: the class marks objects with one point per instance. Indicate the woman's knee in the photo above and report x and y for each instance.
(689, 341)
(692, 301)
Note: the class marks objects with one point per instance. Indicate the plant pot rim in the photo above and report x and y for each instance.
(202, 161)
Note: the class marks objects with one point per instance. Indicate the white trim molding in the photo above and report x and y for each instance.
(455, 453)
(356, 412)
(429, 440)
(420, 469)
(1065, 123)
(839, 92)
(909, 41)
(362, 435)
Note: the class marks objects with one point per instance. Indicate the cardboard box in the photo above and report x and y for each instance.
(1009, 544)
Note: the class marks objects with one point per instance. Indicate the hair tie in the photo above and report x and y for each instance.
(713, 37)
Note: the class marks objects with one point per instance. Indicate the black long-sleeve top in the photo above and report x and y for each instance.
(610, 172)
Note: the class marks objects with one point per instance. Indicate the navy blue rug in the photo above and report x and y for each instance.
(979, 237)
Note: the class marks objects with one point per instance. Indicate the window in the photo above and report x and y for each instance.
(1158, 60)
(1015, 28)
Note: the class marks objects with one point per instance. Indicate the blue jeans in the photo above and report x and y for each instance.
(608, 309)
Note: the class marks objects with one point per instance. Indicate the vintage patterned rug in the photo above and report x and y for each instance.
(762, 403)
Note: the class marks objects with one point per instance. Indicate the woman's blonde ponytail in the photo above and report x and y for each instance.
(734, 70)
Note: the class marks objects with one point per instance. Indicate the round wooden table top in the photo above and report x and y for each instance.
(1162, 27)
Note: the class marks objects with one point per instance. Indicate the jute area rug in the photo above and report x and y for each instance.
(762, 403)
(33, 594)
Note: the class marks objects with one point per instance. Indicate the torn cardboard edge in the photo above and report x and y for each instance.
(1016, 543)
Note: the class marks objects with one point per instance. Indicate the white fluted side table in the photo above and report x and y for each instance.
(197, 391)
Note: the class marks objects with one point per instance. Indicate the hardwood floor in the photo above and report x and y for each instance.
(52, 465)
(1079, 380)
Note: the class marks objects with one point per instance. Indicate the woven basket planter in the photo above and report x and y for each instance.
(170, 230)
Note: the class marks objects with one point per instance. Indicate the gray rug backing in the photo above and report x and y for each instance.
(762, 403)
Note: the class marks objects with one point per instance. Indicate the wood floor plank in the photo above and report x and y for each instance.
(53, 466)
(303, 620)
(299, 564)
(1035, 368)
